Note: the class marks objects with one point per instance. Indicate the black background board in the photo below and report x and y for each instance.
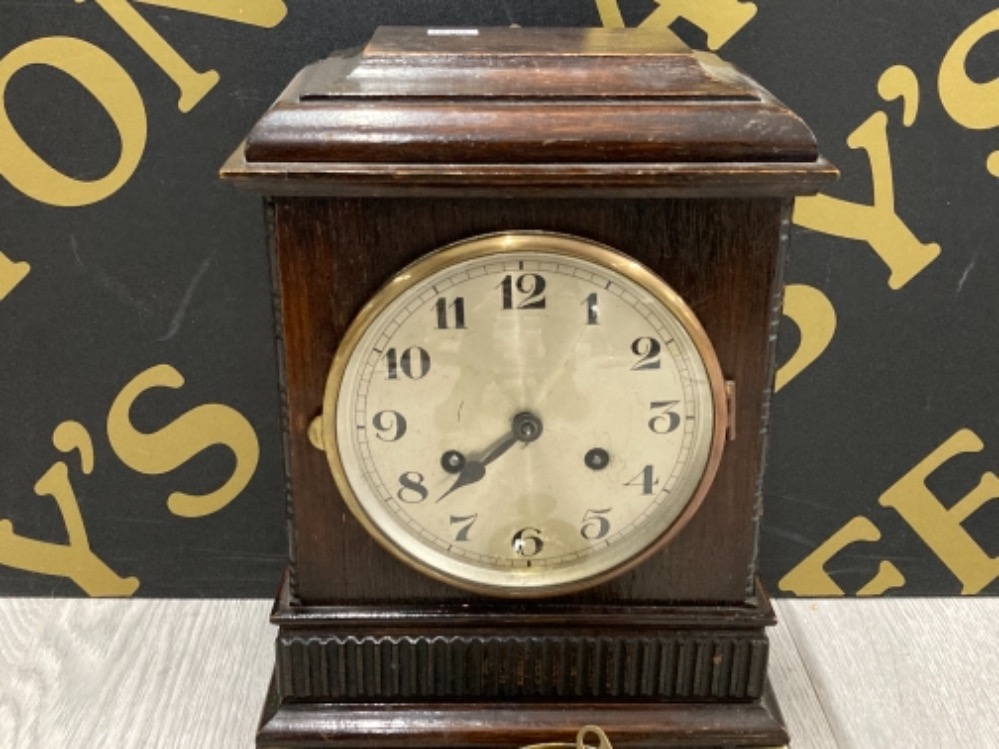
(166, 278)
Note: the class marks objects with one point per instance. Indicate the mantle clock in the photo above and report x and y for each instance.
(527, 283)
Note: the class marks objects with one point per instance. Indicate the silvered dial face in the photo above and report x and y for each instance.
(524, 414)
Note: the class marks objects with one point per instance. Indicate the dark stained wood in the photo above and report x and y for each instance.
(499, 62)
(553, 45)
(720, 255)
(595, 109)
(653, 180)
(511, 725)
(510, 96)
(502, 676)
(489, 132)
(567, 652)
(373, 158)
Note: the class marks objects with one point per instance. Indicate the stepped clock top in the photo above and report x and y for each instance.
(543, 108)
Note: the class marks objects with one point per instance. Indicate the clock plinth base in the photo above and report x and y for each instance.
(510, 726)
(482, 676)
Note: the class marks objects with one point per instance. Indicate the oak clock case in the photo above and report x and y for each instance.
(483, 240)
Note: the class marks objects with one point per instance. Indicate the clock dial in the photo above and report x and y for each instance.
(524, 414)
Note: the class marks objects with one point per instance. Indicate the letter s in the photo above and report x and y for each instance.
(970, 103)
(170, 447)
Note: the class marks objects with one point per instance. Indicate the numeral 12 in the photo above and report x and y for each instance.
(530, 286)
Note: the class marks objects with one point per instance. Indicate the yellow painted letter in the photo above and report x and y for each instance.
(109, 84)
(263, 13)
(815, 317)
(971, 104)
(940, 527)
(11, 274)
(168, 448)
(877, 224)
(74, 560)
(192, 84)
(809, 577)
(610, 14)
(720, 19)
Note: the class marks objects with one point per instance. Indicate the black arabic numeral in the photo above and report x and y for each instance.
(457, 311)
(405, 363)
(648, 350)
(412, 491)
(646, 479)
(528, 542)
(530, 286)
(595, 524)
(668, 420)
(464, 523)
(391, 423)
(592, 309)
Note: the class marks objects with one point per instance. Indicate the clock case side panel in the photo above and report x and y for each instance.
(277, 308)
(721, 255)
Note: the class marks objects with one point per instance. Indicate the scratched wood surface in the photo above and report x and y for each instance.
(911, 674)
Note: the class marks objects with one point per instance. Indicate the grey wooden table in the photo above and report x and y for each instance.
(84, 674)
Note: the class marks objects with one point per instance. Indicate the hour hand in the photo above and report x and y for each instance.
(526, 427)
(471, 472)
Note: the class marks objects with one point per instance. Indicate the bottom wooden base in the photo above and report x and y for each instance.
(509, 726)
(483, 675)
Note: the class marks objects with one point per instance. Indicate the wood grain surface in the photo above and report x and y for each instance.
(719, 255)
(874, 674)
(902, 672)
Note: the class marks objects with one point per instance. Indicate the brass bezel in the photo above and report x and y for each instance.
(498, 244)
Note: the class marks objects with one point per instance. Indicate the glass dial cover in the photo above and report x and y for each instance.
(524, 414)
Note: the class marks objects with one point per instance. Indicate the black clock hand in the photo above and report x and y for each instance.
(475, 470)
(501, 447)
(526, 428)
(471, 472)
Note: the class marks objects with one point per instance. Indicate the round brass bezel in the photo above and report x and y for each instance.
(542, 243)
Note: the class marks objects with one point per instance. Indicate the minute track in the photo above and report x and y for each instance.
(527, 358)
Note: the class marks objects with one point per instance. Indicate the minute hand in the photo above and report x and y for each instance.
(500, 447)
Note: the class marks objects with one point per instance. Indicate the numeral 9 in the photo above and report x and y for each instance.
(392, 423)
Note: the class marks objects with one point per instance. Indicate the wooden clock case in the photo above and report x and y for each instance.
(375, 157)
